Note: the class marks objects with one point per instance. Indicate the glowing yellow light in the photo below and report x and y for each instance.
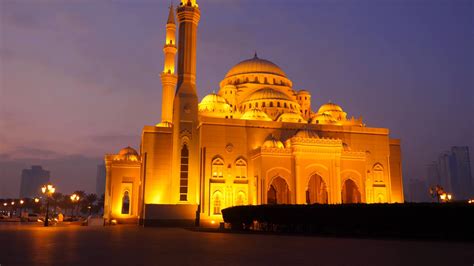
(37, 200)
(191, 2)
(449, 196)
(13, 203)
(5, 204)
(43, 189)
(213, 222)
(442, 196)
(22, 201)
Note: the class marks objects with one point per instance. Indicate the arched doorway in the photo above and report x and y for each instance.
(317, 191)
(350, 192)
(278, 193)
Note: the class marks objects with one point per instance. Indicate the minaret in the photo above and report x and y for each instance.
(185, 176)
(168, 76)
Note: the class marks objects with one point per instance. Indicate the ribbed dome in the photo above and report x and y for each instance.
(267, 94)
(272, 142)
(127, 154)
(291, 117)
(215, 106)
(255, 114)
(330, 107)
(306, 133)
(255, 65)
(213, 98)
(323, 118)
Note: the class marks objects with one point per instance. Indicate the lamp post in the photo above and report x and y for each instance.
(11, 213)
(21, 207)
(74, 198)
(47, 190)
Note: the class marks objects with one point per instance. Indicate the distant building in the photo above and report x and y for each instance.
(461, 176)
(418, 191)
(100, 180)
(452, 171)
(32, 180)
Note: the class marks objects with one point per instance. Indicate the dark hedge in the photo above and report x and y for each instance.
(414, 220)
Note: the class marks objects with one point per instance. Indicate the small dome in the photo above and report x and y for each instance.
(291, 117)
(272, 142)
(303, 92)
(267, 94)
(215, 106)
(127, 154)
(330, 107)
(255, 114)
(255, 66)
(307, 134)
(323, 118)
(213, 98)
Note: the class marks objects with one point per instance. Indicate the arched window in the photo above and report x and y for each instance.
(217, 168)
(256, 105)
(183, 188)
(250, 105)
(271, 104)
(216, 202)
(241, 169)
(240, 199)
(378, 173)
(278, 104)
(126, 202)
(285, 105)
(263, 104)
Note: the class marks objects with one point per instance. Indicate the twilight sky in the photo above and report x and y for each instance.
(80, 78)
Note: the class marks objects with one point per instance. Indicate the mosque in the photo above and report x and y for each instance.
(256, 141)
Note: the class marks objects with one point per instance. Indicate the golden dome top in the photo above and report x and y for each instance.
(267, 94)
(255, 65)
(307, 134)
(127, 154)
(330, 107)
(215, 106)
(255, 114)
(323, 118)
(272, 142)
(291, 117)
(213, 98)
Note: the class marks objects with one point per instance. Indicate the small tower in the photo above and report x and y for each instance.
(304, 99)
(169, 79)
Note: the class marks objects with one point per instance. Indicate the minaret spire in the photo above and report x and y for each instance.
(185, 183)
(169, 78)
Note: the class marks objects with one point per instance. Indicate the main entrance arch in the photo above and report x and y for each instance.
(350, 192)
(317, 191)
(278, 192)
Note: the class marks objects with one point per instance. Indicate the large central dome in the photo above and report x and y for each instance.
(254, 66)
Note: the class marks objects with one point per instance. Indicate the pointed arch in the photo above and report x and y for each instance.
(217, 166)
(217, 198)
(240, 168)
(316, 191)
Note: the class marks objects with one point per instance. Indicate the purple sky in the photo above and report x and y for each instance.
(80, 78)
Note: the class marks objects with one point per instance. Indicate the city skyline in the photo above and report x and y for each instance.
(86, 107)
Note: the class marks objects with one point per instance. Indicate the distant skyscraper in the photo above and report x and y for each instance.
(452, 171)
(32, 180)
(461, 172)
(100, 180)
(418, 191)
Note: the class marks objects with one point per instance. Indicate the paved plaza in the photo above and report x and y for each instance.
(132, 245)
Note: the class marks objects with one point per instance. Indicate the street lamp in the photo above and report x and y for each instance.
(11, 213)
(48, 190)
(74, 198)
(21, 207)
(37, 200)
